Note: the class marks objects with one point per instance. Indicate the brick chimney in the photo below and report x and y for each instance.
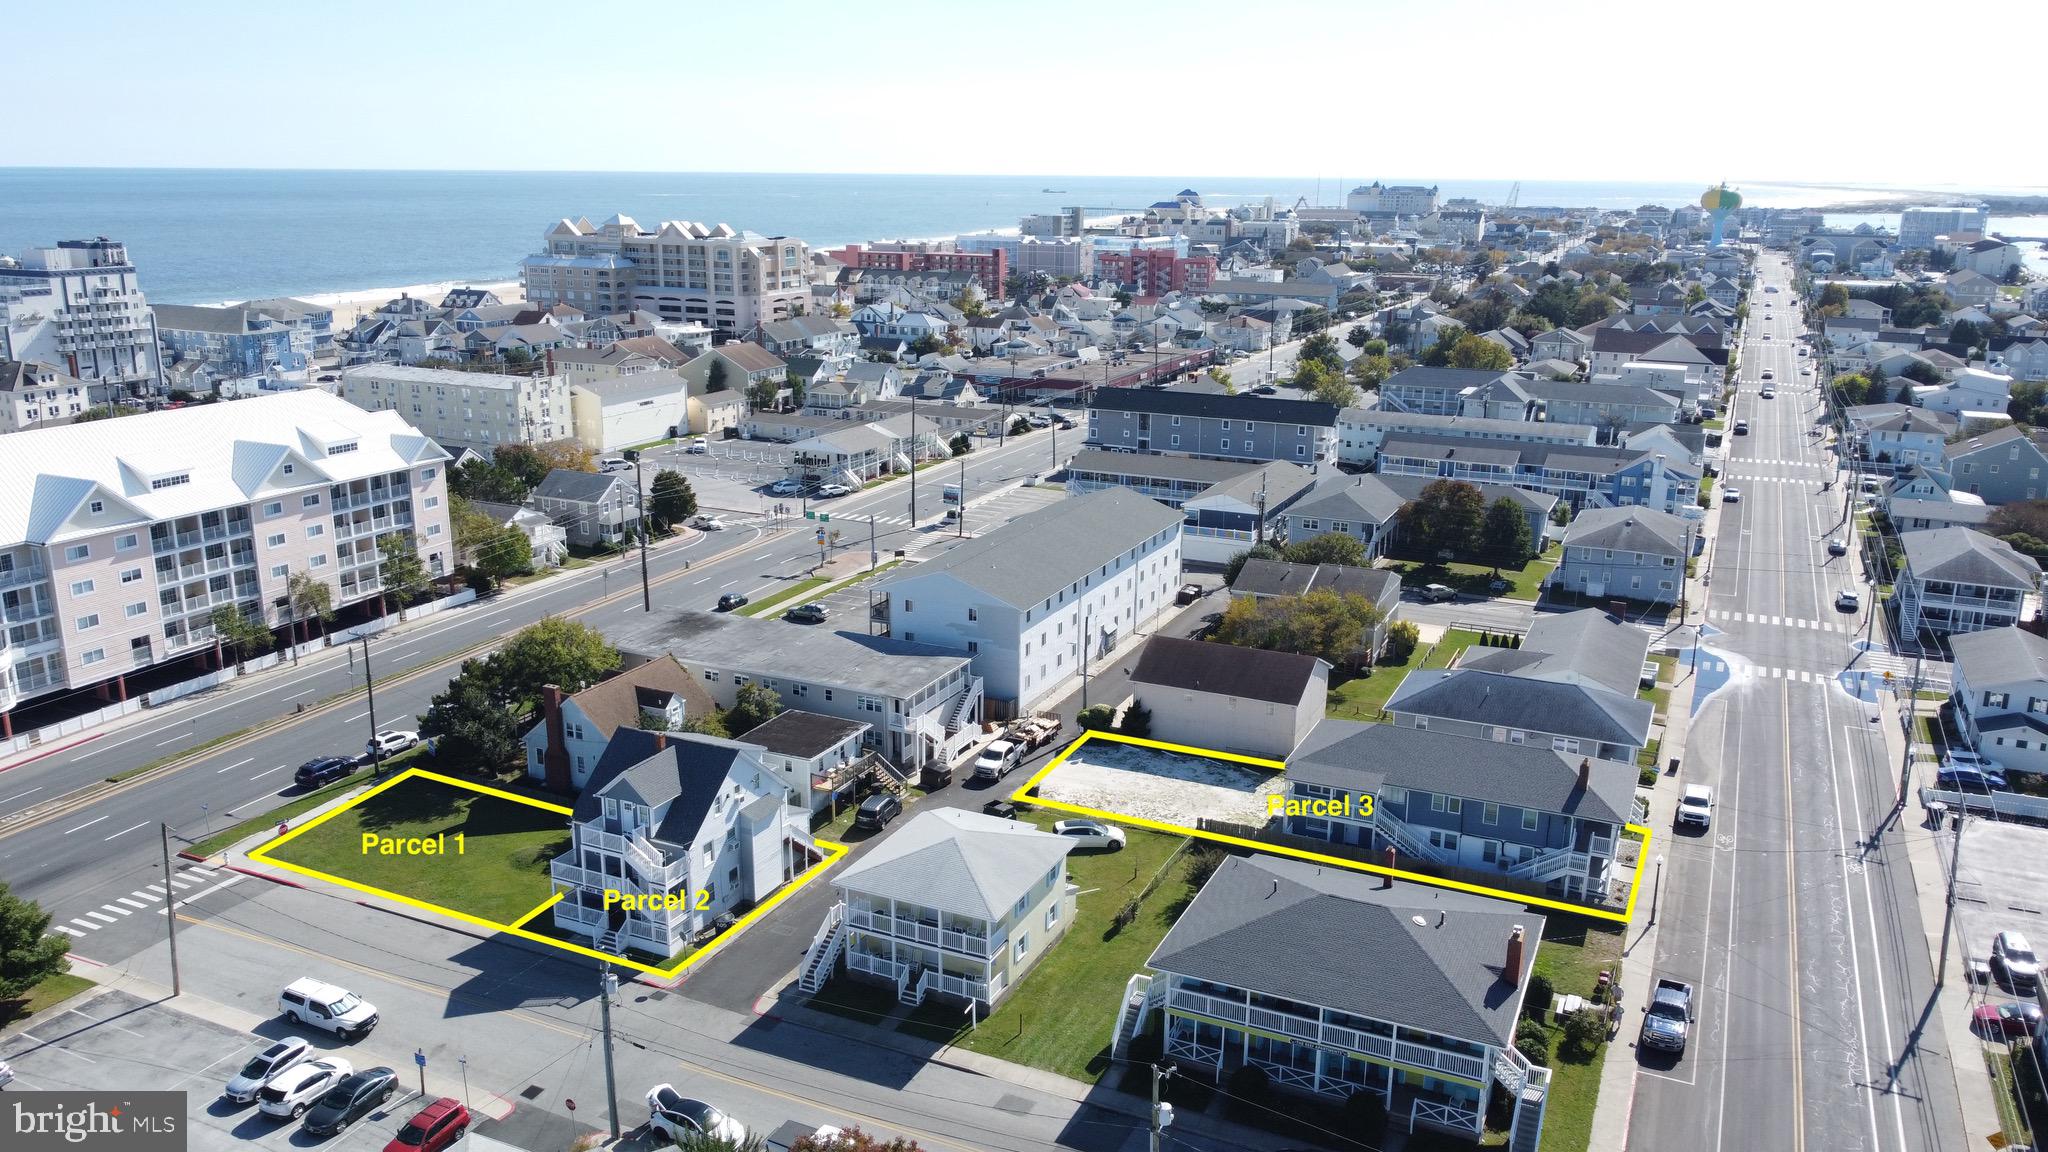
(1512, 971)
(555, 760)
(1585, 773)
(1391, 857)
(660, 741)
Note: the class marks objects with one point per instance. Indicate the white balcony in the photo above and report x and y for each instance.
(1329, 1035)
(916, 931)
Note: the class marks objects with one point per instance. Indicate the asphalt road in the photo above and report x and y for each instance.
(76, 861)
(1794, 917)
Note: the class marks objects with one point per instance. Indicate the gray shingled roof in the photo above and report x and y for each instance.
(1965, 556)
(1945, 511)
(1409, 488)
(686, 775)
(1169, 402)
(1335, 938)
(1506, 700)
(1225, 670)
(1281, 480)
(1455, 379)
(1367, 499)
(2000, 656)
(580, 487)
(1628, 529)
(1583, 647)
(1280, 578)
(1037, 554)
(1359, 757)
(959, 862)
(772, 649)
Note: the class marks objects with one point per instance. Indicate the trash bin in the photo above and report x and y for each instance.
(1671, 769)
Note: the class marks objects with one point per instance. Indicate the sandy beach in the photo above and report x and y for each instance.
(352, 306)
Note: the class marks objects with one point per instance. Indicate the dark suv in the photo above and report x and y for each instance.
(876, 811)
(323, 770)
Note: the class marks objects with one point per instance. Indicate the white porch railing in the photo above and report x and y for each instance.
(1442, 1114)
(1550, 865)
(1405, 838)
(967, 943)
(934, 980)
(881, 966)
(1331, 1035)
(1285, 1074)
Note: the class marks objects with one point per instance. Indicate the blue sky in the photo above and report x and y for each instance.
(1566, 90)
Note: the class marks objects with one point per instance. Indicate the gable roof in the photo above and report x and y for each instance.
(1037, 554)
(1365, 498)
(1473, 696)
(1966, 556)
(684, 771)
(1260, 577)
(1455, 379)
(1225, 670)
(749, 357)
(1628, 528)
(1336, 938)
(1354, 756)
(577, 487)
(615, 703)
(1584, 647)
(959, 862)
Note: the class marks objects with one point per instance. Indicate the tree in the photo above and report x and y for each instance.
(1966, 333)
(1137, 720)
(1263, 550)
(1445, 516)
(473, 529)
(1096, 717)
(1329, 625)
(1695, 294)
(670, 498)
(970, 304)
(469, 722)
(927, 345)
(245, 635)
(568, 453)
(1328, 548)
(29, 952)
(1222, 377)
(519, 356)
(403, 575)
(1505, 535)
(762, 394)
(1919, 372)
(1438, 355)
(1370, 370)
(104, 412)
(1358, 337)
(484, 480)
(311, 599)
(961, 444)
(717, 378)
(523, 461)
(753, 705)
(1334, 389)
(1122, 297)
(1478, 352)
(795, 384)
(2028, 517)
(707, 724)
(1834, 300)
(1584, 1032)
(852, 1140)
(1322, 350)
(509, 553)
(559, 651)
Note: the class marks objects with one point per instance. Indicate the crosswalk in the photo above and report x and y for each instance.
(1846, 627)
(1747, 479)
(190, 883)
(1771, 460)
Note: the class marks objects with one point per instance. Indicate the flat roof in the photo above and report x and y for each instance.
(808, 653)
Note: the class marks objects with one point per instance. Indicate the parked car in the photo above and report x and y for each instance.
(358, 1095)
(1091, 834)
(1669, 1017)
(2012, 1020)
(327, 1007)
(876, 811)
(1962, 778)
(786, 487)
(674, 1117)
(827, 491)
(996, 760)
(708, 524)
(390, 741)
(806, 614)
(732, 600)
(321, 770)
(1731, 495)
(1435, 593)
(1742, 427)
(697, 448)
(1964, 758)
(432, 1128)
(2012, 958)
(614, 464)
(263, 1066)
(1696, 805)
(1000, 809)
(294, 1090)
(1848, 602)
(1837, 546)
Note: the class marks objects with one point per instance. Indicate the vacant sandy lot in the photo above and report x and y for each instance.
(1163, 786)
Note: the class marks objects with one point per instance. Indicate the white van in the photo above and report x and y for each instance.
(327, 1007)
(614, 464)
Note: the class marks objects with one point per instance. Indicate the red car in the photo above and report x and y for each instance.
(433, 1128)
(2013, 1020)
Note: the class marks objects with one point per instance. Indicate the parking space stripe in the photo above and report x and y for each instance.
(116, 908)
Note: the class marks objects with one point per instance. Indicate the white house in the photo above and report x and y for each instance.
(1243, 700)
(2001, 696)
(1970, 390)
(1032, 600)
(563, 748)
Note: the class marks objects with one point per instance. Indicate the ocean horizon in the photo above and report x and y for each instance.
(203, 236)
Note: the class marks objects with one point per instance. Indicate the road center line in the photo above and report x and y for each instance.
(87, 824)
(127, 830)
(231, 767)
(266, 772)
(19, 795)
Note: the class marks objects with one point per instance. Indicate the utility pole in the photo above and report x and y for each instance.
(913, 459)
(1906, 715)
(370, 693)
(1086, 620)
(960, 519)
(170, 908)
(1259, 526)
(1948, 912)
(1162, 1114)
(640, 494)
(607, 987)
(873, 555)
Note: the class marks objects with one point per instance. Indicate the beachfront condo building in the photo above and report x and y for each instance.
(246, 339)
(479, 410)
(78, 308)
(124, 536)
(727, 280)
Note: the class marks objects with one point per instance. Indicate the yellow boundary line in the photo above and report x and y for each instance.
(1022, 795)
(517, 928)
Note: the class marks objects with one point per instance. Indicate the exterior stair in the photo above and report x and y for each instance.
(912, 990)
(824, 951)
(963, 712)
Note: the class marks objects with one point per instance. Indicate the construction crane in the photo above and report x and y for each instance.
(1514, 196)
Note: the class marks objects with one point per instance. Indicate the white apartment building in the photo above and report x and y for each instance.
(479, 410)
(121, 537)
(1919, 226)
(39, 396)
(725, 279)
(1034, 599)
(78, 307)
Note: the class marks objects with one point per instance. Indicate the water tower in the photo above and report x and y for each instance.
(1719, 202)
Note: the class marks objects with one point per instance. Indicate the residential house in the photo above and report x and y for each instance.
(1231, 515)
(1171, 480)
(1368, 508)
(1433, 391)
(34, 395)
(818, 758)
(2001, 466)
(1919, 515)
(1334, 983)
(889, 321)
(923, 703)
(2000, 678)
(1570, 686)
(1226, 427)
(1561, 344)
(1579, 476)
(1360, 430)
(1531, 815)
(745, 365)
(564, 746)
(1967, 288)
(1246, 701)
(1032, 601)
(629, 357)
(595, 509)
(547, 542)
(246, 339)
(717, 414)
(672, 833)
(1899, 440)
(1261, 579)
(1242, 334)
(1955, 580)
(953, 902)
(1989, 257)
(1615, 348)
(1637, 553)
(1970, 390)
(813, 335)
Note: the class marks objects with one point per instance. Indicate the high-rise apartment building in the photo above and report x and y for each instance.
(126, 535)
(78, 308)
(1406, 199)
(479, 410)
(1919, 226)
(727, 280)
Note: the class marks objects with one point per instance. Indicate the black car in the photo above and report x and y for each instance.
(1000, 809)
(732, 600)
(325, 769)
(806, 614)
(876, 811)
(355, 1097)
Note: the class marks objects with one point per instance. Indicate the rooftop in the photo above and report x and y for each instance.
(958, 861)
(1367, 757)
(1032, 557)
(1966, 556)
(2000, 655)
(773, 649)
(794, 732)
(1225, 670)
(1631, 528)
(1171, 402)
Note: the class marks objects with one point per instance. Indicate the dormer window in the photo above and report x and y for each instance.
(172, 481)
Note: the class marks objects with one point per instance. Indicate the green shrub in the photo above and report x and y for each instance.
(1584, 1032)
(1536, 1002)
(1402, 639)
(1097, 717)
(1646, 777)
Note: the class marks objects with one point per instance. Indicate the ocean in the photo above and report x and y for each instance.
(202, 236)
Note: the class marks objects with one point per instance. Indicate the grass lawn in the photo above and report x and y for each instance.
(1715, 425)
(1524, 583)
(1060, 1017)
(1660, 696)
(1574, 953)
(501, 874)
(1364, 697)
(1449, 647)
(765, 604)
(52, 991)
(2011, 1117)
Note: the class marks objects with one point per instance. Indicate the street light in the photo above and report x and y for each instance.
(1657, 891)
